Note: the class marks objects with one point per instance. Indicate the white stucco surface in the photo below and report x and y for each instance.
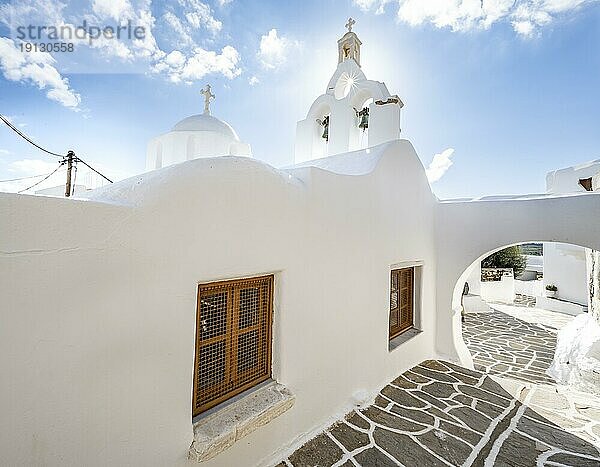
(98, 357)
(99, 295)
(565, 267)
(577, 357)
(499, 291)
(566, 180)
(530, 288)
(348, 92)
(196, 136)
(469, 230)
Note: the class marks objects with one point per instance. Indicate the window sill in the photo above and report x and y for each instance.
(402, 338)
(219, 430)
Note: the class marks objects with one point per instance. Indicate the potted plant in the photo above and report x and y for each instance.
(551, 291)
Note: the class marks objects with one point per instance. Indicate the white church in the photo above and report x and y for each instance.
(220, 310)
(196, 136)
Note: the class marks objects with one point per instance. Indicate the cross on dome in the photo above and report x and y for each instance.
(349, 24)
(208, 95)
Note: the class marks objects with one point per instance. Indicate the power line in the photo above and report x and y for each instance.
(27, 138)
(60, 164)
(65, 158)
(22, 178)
(78, 159)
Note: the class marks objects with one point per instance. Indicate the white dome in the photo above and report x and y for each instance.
(204, 122)
(193, 137)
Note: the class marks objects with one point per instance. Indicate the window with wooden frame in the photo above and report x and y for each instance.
(233, 339)
(402, 297)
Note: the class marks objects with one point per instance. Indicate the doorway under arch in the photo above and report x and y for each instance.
(510, 326)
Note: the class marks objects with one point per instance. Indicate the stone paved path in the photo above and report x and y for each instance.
(505, 346)
(574, 411)
(440, 414)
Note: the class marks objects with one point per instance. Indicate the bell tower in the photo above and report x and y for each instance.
(353, 113)
(349, 45)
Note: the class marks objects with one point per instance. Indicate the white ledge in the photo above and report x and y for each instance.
(221, 429)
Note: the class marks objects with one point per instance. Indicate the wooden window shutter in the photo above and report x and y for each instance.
(401, 301)
(233, 339)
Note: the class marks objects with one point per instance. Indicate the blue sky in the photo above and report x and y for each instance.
(511, 87)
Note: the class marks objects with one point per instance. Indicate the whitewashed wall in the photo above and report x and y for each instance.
(565, 267)
(566, 180)
(469, 230)
(99, 301)
(499, 291)
(98, 313)
(474, 278)
(530, 288)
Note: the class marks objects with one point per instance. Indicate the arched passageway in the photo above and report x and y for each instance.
(514, 341)
(468, 231)
(510, 326)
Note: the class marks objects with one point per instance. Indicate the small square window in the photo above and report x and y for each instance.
(402, 298)
(233, 339)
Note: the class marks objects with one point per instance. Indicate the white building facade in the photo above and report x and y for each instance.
(100, 335)
(353, 113)
(193, 137)
(565, 265)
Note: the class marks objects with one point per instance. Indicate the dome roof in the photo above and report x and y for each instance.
(205, 122)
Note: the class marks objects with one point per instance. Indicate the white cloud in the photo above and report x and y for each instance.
(274, 49)
(118, 10)
(527, 17)
(4, 152)
(222, 3)
(29, 167)
(34, 171)
(36, 68)
(12, 119)
(524, 28)
(253, 81)
(439, 165)
(24, 12)
(368, 5)
(147, 47)
(182, 31)
(180, 68)
(199, 14)
(185, 65)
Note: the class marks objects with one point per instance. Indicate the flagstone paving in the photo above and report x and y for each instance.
(506, 346)
(440, 414)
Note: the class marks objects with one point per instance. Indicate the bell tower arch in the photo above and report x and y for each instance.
(360, 112)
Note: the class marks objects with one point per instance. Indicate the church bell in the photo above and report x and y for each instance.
(326, 128)
(364, 118)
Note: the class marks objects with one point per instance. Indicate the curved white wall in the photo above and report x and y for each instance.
(97, 341)
(180, 146)
(468, 231)
(98, 315)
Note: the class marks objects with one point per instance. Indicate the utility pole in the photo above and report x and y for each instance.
(70, 158)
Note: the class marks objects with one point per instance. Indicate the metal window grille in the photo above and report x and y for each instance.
(233, 339)
(401, 300)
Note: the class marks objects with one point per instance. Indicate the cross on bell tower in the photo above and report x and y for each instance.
(349, 24)
(349, 45)
(208, 95)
